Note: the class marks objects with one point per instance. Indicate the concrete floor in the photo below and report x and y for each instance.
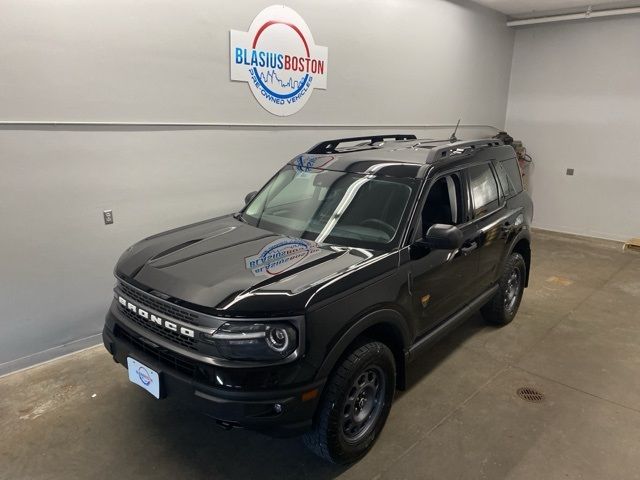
(576, 338)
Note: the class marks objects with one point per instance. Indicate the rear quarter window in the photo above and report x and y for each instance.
(509, 176)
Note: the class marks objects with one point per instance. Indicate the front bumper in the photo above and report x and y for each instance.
(252, 409)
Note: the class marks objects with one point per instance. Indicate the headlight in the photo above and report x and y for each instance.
(254, 341)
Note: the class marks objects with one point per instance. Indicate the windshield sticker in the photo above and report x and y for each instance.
(303, 164)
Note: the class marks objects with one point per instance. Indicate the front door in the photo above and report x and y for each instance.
(443, 281)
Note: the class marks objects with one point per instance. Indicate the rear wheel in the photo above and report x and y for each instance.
(355, 404)
(502, 308)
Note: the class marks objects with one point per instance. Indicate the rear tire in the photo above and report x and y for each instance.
(502, 308)
(355, 404)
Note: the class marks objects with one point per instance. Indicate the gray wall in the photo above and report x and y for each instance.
(392, 63)
(575, 102)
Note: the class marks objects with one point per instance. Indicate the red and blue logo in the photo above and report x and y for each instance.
(279, 60)
(280, 255)
(144, 376)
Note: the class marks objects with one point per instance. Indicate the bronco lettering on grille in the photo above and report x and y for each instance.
(174, 327)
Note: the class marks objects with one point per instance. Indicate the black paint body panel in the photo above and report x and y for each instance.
(214, 267)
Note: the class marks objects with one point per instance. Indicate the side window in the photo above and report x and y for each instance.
(503, 179)
(513, 174)
(484, 189)
(443, 203)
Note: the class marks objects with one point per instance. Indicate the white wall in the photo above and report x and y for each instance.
(393, 62)
(575, 102)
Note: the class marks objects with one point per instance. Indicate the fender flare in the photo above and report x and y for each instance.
(383, 316)
(523, 234)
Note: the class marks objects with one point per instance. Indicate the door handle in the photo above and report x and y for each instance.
(469, 248)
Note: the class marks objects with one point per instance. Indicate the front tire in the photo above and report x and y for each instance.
(502, 308)
(355, 404)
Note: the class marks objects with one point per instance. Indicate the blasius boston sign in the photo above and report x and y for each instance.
(279, 59)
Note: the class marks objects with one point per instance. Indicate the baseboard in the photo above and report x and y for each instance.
(551, 229)
(45, 356)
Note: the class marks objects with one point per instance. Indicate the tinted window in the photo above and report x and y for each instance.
(484, 189)
(512, 172)
(443, 203)
(332, 207)
(503, 179)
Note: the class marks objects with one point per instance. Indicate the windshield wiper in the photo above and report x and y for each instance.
(238, 216)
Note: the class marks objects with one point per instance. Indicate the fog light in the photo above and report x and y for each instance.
(277, 407)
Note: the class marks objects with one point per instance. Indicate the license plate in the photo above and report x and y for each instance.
(144, 376)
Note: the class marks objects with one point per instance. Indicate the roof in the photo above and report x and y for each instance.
(397, 155)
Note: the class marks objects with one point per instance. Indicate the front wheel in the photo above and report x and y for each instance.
(502, 308)
(355, 404)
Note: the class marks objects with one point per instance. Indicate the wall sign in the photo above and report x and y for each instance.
(279, 59)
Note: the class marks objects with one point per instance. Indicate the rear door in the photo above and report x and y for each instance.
(492, 218)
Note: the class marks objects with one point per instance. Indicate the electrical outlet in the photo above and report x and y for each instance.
(570, 171)
(108, 217)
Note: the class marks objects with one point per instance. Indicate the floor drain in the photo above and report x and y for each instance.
(530, 394)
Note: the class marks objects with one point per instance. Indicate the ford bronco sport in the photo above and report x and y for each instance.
(302, 312)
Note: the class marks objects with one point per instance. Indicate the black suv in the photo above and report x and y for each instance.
(302, 312)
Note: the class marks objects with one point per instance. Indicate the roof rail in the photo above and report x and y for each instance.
(330, 146)
(459, 148)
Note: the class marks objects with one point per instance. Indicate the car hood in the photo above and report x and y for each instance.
(232, 267)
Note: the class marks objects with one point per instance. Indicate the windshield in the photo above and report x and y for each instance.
(326, 206)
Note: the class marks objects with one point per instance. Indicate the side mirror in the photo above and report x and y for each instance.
(249, 196)
(442, 237)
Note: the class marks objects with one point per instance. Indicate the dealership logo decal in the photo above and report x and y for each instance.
(305, 164)
(280, 255)
(279, 59)
(144, 376)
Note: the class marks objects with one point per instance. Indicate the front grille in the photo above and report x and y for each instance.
(166, 357)
(159, 306)
(174, 337)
